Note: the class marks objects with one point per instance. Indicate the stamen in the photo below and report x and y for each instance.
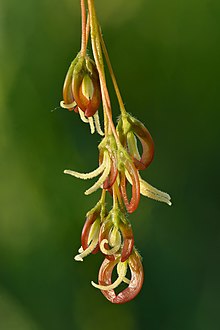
(89, 175)
(91, 247)
(82, 116)
(149, 191)
(107, 164)
(122, 269)
(97, 124)
(67, 106)
(91, 123)
(80, 249)
(126, 280)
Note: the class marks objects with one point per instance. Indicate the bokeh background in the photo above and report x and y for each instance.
(166, 58)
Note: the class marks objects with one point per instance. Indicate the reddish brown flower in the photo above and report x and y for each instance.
(134, 284)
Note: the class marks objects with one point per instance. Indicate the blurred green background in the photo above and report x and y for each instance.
(166, 57)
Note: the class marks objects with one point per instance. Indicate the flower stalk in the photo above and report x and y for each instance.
(107, 229)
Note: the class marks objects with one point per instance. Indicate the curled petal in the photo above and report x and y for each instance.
(133, 204)
(87, 230)
(147, 144)
(128, 240)
(135, 284)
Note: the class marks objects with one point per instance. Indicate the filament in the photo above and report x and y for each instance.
(121, 276)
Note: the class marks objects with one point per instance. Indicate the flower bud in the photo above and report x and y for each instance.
(85, 87)
(81, 86)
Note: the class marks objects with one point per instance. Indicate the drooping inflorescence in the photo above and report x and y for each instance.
(107, 229)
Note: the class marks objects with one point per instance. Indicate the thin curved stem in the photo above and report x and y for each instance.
(114, 81)
(87, 29)
(97, 51)
(84, 34)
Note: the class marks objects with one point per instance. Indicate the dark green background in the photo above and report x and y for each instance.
(166, 57)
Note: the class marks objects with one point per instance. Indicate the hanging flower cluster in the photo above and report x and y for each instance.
(108, 230)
